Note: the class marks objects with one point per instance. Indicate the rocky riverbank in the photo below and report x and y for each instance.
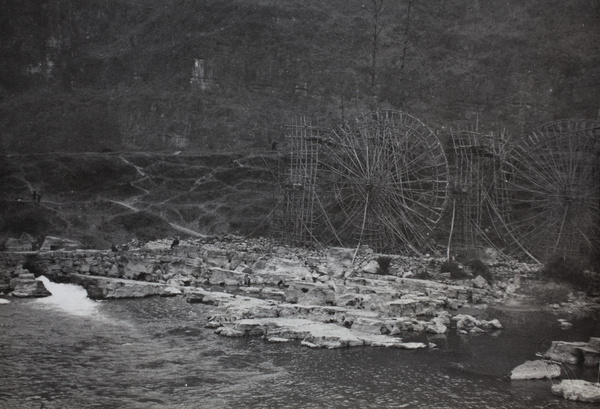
(557, 361)
(327, 298)
(358, 297)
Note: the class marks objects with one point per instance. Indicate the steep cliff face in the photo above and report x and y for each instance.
(191, 74)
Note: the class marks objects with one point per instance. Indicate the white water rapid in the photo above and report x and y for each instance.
(69, 298)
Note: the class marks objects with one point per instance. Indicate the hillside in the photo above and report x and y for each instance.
(202, 75)
(105, 199)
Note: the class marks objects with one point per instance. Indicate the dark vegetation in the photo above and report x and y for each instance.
(104, 199)
(384, 264)
(457, 272)
(469, 269)
(117, 75)
(566, 270)
(478, 268)
(146, 225)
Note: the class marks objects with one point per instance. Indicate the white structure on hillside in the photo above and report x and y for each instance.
(198, 78)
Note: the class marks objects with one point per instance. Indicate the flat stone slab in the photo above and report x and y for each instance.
(313, 334)
(565, 352)
(578, 390)
(100, 287)
(535, 370)
(591, 355)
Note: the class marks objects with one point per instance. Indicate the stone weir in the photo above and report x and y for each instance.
(332, 298)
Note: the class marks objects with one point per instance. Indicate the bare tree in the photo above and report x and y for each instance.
(375, 9)
(406, 31)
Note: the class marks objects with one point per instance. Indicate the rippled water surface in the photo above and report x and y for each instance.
(69, 352)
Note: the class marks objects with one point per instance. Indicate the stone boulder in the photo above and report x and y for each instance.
(467, 323)
(133, 269)
(578, 390)
(58, 243)
(438, 325)
(414, 305)
(339, 260)
(280, 265)
(26, 286)
(591, 352)
(491, 325)
(217, 258)
(220, 276)
(480, 282)
(24, 243)
(371, 267)
(99, 288)
(306, 293)
(277, 271)
(565, 352)
(591, 356)
(5, 277)
(369, 325)
(409, 324)
(158, 245)
(313, 334)
(535, 370)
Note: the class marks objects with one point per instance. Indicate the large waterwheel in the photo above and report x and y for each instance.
(387, 178)
(553, 190)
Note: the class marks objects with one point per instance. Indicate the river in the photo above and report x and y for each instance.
(67, 351)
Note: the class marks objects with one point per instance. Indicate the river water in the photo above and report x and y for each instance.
(67, 351)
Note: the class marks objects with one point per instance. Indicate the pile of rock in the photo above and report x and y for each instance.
(578, 390)
(23, 284)
(351, 307)
(560, 353)
(586, 353)
(335, 286)
(276, 321)
(467, 324)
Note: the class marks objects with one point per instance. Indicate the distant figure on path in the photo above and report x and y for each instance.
(273, 145)
(175, 242)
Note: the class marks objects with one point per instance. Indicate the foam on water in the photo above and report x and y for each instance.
(69, 298)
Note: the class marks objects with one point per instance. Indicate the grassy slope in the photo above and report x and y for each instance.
(112, 198)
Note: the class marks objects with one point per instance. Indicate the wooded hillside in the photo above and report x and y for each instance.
(209, 75)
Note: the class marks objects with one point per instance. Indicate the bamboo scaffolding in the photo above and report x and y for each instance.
(387, 175)
(297, 217)
(384, 180)
(553, 190)
(476, 159)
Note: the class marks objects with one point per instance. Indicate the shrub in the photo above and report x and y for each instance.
(142, 225)
(423, 275)
(566, 270)
(478, 268)
(455, 269)
(384, 264)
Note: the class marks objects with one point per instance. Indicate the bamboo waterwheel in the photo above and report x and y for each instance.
(387, 182)
(553, 190)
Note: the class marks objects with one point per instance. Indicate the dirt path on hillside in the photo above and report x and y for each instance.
(173, 225)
